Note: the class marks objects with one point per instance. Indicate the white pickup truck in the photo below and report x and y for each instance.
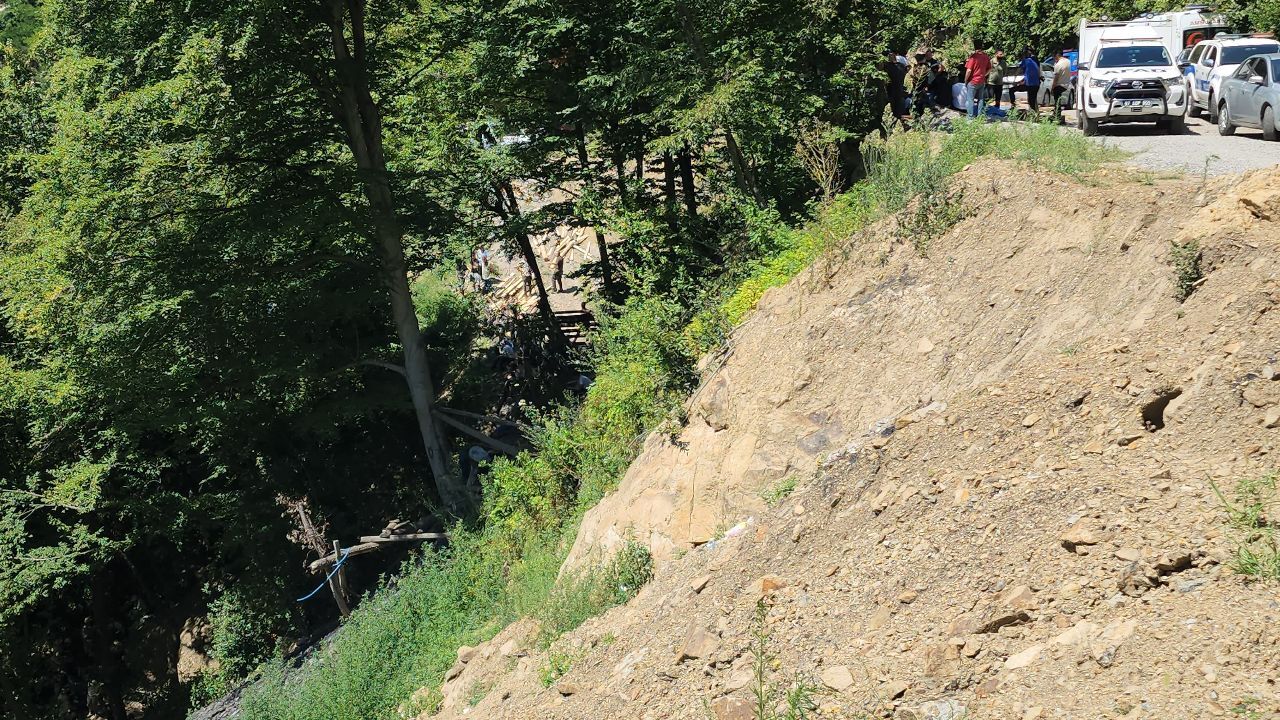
(1127, 75)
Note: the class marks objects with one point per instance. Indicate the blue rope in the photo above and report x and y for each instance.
(328, 577)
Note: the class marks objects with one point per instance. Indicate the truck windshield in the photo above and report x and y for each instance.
(1235, 54)
(1132, 56)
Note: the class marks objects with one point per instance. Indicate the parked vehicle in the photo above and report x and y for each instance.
(1251, 97)
(1175, 30)
(1014, 76)
(1129, 76)
(1213, 60)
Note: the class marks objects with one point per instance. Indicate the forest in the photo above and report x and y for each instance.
(228, 240)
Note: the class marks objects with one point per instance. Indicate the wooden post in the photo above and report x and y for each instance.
(338, 583)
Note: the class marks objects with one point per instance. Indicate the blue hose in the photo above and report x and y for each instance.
(328, 577)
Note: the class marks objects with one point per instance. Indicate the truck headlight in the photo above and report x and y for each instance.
(1093, 82)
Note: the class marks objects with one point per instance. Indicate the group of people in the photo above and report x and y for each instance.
(925, 83)
(478, 272)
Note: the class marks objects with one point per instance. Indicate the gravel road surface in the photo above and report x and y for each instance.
(1155, 150)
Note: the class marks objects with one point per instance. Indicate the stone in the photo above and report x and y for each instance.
(465, 654)
(1129, 554)
(837, 677)
(908, 597)
(925, 346)
(1033, 713)
(698, 584)
(1093, 447)
(894, 689)
(567, 687)
(698, 643)
(739, 679)
(986, 620)
(1024, 658)
(766, 585)
(972, 646)
(454, 671)
(798, 510)
(1083, 532)
(1030, 420)
(933, 710)
(1018, 597)
(732, 708)
(879, 618)
(1272, 418)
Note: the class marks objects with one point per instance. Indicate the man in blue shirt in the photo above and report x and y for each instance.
(1030, 84)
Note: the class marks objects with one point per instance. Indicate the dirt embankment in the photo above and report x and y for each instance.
(1005, 455)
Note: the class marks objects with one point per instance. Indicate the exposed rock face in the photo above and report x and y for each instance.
(996, 527)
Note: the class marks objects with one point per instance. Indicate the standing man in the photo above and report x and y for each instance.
(920, 77)
(1030, 82)
(975, 82)
(995, 78)
(895, 85)
(1061, 83)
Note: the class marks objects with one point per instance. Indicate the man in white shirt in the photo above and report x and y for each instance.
(1061, 83)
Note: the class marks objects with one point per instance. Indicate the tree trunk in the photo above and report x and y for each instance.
(687, 181)
(508, 209)
(669, 188)
(354, 108)
(620, 175)
(640, 163)
(742, 170)
(606, 268)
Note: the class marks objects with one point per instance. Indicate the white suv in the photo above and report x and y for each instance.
(1130, 81)
(1213, 60)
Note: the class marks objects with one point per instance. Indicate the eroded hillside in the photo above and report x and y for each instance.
(1005, 455)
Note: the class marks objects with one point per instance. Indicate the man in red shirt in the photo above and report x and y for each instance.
(975, 82)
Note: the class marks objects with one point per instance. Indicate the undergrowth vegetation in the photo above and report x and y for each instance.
(1253, 517)
(404, 636)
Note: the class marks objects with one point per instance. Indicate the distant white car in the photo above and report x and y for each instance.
(1212, 60)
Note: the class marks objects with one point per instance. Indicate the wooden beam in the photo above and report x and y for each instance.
(482, 418)
(327, 560)
(410, 537)
(477, 435)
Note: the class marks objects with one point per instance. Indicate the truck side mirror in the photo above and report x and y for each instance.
(1257, 80)
(1083, 67)
(1210, 62)
(1184, 66)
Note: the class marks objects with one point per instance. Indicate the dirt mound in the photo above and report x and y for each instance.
(1005, 456)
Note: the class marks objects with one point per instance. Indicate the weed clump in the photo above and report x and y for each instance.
(1185, 258)
(1253, 518)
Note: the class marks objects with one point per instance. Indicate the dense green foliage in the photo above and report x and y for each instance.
(197, 255)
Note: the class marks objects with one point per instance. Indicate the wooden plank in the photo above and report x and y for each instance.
(482, 418)
(477, 435)
(354, 550)
(403, 538)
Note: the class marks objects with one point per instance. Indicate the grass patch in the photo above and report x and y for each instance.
(558, 664)
(1185, 258)
(779, 491)
(1253, 519)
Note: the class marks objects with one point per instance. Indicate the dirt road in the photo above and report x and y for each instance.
(1201, 149)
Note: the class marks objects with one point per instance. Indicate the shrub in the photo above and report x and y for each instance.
(1185, 258)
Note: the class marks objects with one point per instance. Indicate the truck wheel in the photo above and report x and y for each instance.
(1192, 108)
(1177, 125)
(1224, 121)
(1269, 131)
(1090, 126)
(1213, 109)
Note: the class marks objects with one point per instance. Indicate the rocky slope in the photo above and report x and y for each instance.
(1005, 456)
